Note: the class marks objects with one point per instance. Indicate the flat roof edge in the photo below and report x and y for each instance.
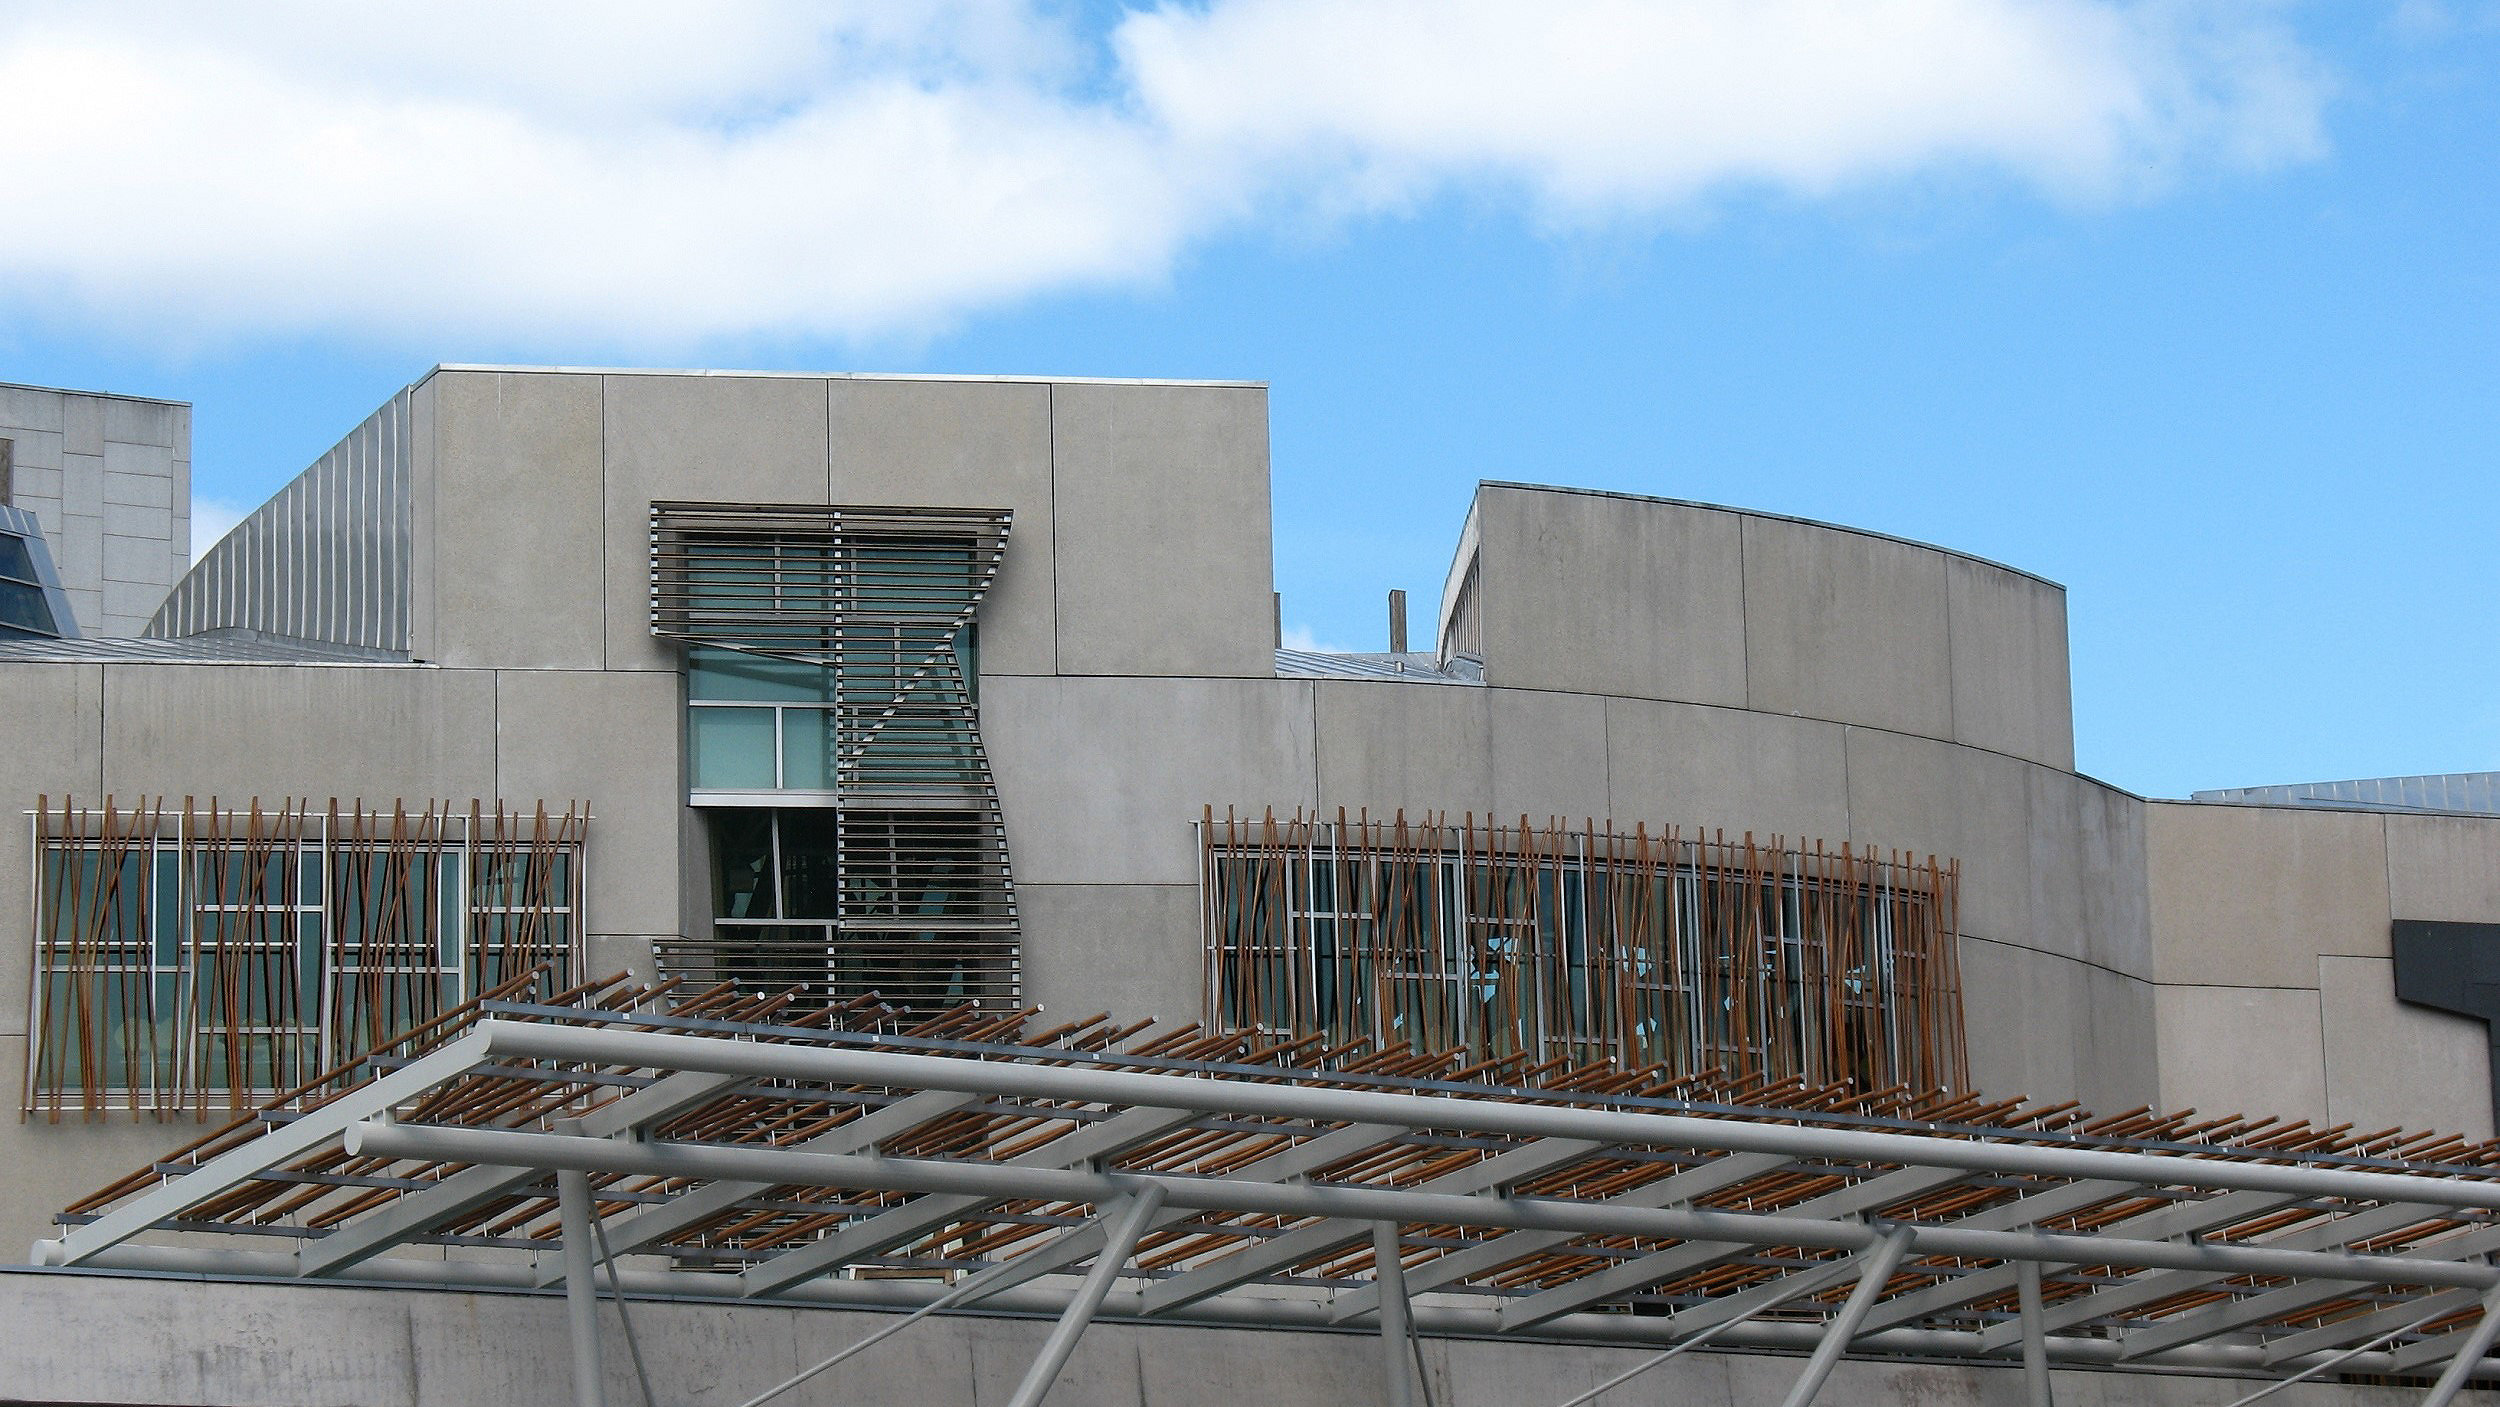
(839, 375)
(1483, 484)
(98, 395)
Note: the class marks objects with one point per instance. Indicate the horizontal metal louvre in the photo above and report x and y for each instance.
(881, 600)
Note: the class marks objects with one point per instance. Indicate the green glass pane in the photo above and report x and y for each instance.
(730, 749)
(23, 607)
(739, 677)
(809, 757)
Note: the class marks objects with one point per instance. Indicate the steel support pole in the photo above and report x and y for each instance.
(1881, 1258)
(581, 1290)
(1396, 1332)
(1119, 1240)
(2035, 1338)
(2469, 1356)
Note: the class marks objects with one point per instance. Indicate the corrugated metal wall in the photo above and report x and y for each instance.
(326, 559)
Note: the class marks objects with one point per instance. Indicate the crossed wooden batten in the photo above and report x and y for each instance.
(735, 1160)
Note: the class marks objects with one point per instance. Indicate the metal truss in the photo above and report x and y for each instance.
(1182, 1176)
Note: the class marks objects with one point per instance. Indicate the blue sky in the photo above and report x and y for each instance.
(2194, 308)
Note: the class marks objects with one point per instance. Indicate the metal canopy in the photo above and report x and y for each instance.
(731, 1159)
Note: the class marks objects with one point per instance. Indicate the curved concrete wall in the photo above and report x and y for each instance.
(1646, 661)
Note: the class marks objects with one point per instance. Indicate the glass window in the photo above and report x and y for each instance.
(731, 749)
(1579, 947)
(187, 956)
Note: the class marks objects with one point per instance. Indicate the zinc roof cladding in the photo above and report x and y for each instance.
(212, 647)
(1413, 667)
(2459, 793)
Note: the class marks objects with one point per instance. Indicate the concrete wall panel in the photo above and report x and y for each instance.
(2087, 873)
(49, 1165)
(54, 748)
(1549, 757)
(2253, 896)
(609, 739)
(1410, 747)
(2048, 1027)
(516, 483)
(1162, 527)
(2242, 1050)
(2011, 691)
(99, 1338)
(1609, 595)
(1846, 626)
(1931, 798)
(1134, 950)
(736, 439)
(2388, 1063)
(239, 731)
(1725, 769)
(970, 444)
(2444, 868)
(1101, 779)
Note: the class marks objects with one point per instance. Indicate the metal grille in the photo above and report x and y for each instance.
(202, 957)
(880, 599)
(1665, 951)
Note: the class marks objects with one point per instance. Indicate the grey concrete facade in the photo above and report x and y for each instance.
(109, 478)
(105, 1338)
(1644, 661)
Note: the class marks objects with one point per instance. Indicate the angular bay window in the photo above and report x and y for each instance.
(31, 601)
(1580, 946)
(189, 959)
(832, 739)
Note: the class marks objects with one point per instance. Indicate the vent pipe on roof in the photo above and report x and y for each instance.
(1397, 622)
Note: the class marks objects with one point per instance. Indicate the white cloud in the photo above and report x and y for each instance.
(211, 519)
(660, 174)
(1302, 637)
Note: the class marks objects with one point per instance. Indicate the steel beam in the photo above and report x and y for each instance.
(2465, 1353)
(2285, 1349)
(1252, 1311)
(2264, 1305)
(1303, 1243)
(983, 1183)
(419, 1212)
(1283, 1165)
(1126, 1225)
(1397, 1353)
(1881, 1259)
(281, 1144)
(1675, 1189)
(876, 1234)
(697, 1205)
(2188, 1219)
(1760, 1299)
(1627, 1277)
(1996, 1280)
(2036, 1391)
(581, 1289)
(657, 1050)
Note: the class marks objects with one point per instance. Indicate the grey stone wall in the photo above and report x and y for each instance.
(101, 1338)
(109, 478)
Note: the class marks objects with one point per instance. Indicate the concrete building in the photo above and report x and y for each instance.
(965, 692)
(108, 480)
